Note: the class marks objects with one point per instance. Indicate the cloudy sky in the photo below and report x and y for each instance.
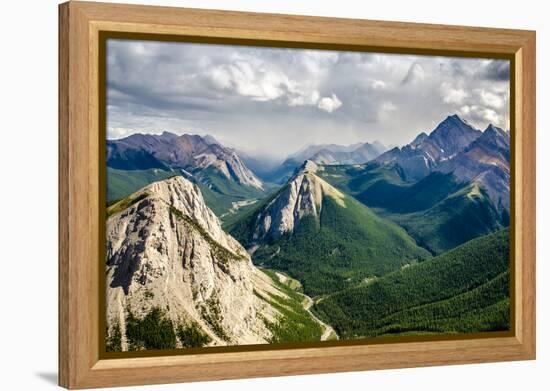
(272, 101)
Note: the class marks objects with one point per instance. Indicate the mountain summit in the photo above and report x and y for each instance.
(193, 153)
(452, 135)
(302, 196)
(486, 161)
(322, 237)
(420, 157)
(176, 279)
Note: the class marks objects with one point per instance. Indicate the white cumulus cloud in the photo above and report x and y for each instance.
(329, 104)
(492, 100)
(378, 85)
(451, 95)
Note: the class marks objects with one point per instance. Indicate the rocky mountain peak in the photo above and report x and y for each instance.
(167, 250)
(493, 140)
(210, 139)
(191, 152)
(302, 196)
(168, 135)
(419, 139)
(453, 134)
(486, 162)
(419, 158)
(495, 130)
(309, 166)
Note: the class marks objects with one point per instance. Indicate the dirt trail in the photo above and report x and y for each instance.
(307, 303)
(328, 329)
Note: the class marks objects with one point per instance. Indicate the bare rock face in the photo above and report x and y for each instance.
(456, 147)
(228, 163)
(486, 162)
(302, 196)
(166, 249)
(424, 153)
(190, 152)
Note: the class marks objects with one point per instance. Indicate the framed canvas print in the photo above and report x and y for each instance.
(248, 195)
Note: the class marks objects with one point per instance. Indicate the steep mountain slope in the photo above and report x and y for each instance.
(486, 161)
(191, 152)
(140, 159)
(322, 237)
(463, 290)
(176, 279)
(226, 199)
(438, 211)
(461, 216)
(121, 183)
(456, 147)
(420, 157)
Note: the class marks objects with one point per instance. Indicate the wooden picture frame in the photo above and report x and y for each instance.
(81, 24)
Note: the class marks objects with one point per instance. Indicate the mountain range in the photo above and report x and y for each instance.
(326, 154)
(418, 158)
(226, 182)
(456, 147)
(192, 153)
(310, 219)
(204, 248)
(176, 279)
(338, 154)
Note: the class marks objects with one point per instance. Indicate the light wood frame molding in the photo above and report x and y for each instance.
(80, 23)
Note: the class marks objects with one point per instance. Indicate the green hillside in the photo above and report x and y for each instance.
(339, 249)
(438, 211)
(294, 323)
(356, 178)
(219, 193)
(383, 187)
(462, 216)
(463, 290)
(408, 198)
(121, 183)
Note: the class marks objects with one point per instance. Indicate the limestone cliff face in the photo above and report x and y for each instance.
(302, 196)
(166, 249)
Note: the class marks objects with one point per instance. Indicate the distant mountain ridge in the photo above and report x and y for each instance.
(439, 211)
(486, 161)
(338, 154)
(357, 153)
(458, 148)
(192, 153)
(420, 157)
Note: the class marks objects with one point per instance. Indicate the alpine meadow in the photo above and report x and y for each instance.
(262, 195)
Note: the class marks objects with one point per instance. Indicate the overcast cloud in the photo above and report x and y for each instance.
(273, 101)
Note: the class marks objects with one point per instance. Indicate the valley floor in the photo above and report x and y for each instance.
(328, 332)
